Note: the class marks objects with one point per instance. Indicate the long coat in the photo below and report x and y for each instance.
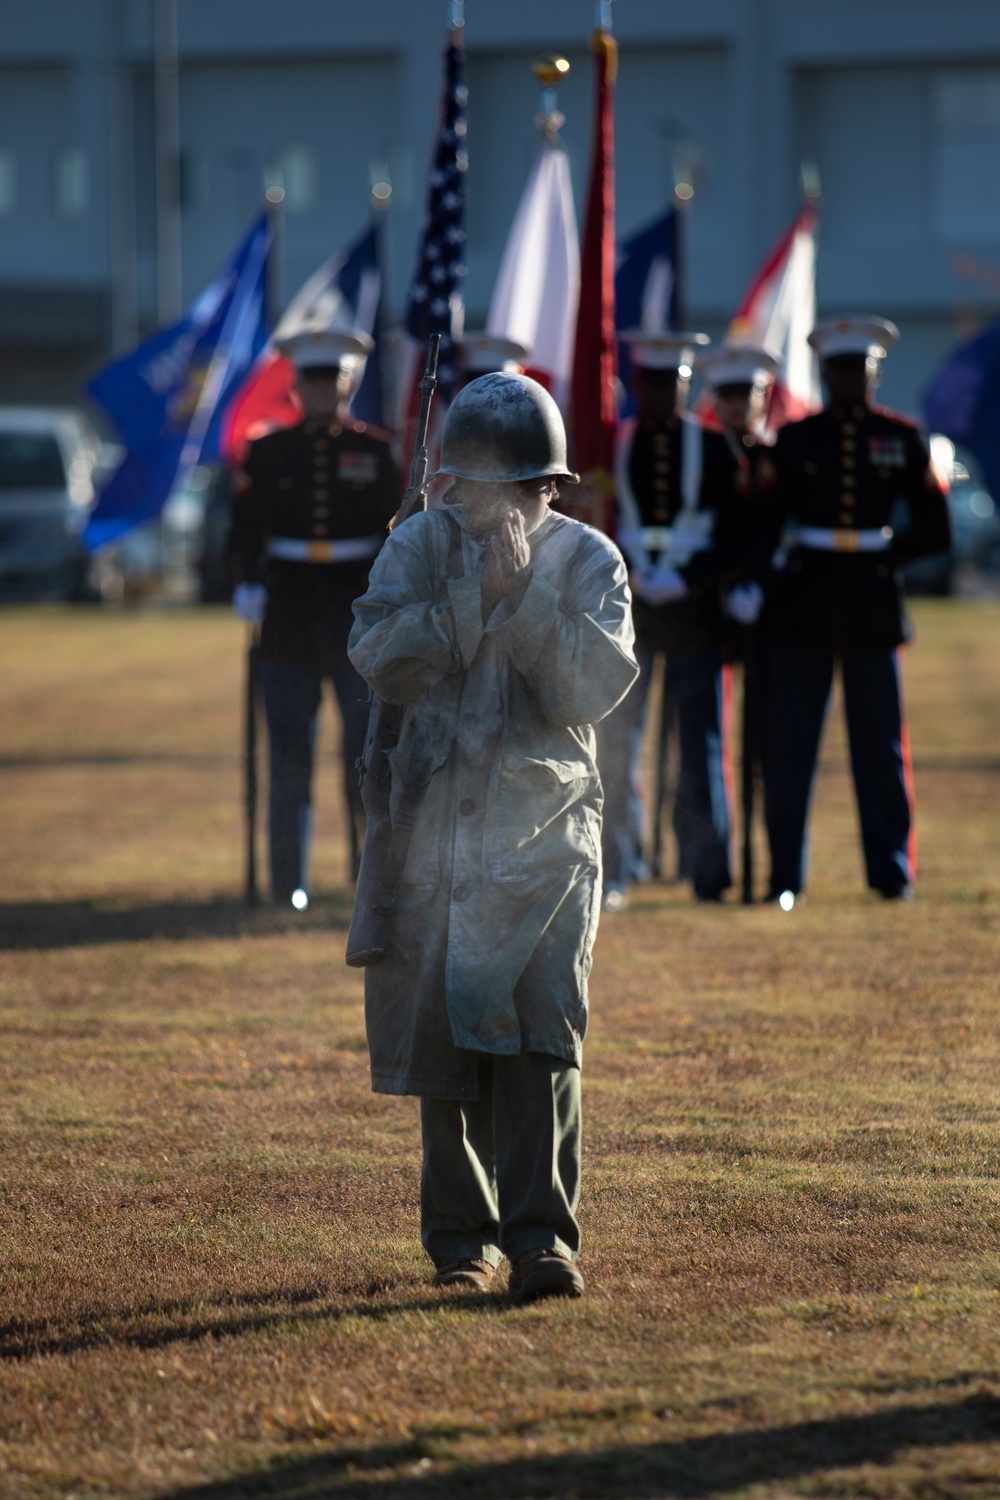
(498, 904)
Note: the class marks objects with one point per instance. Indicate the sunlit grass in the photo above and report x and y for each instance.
(209, 1259)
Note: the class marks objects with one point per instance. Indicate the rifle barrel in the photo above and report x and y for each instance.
(418, 465)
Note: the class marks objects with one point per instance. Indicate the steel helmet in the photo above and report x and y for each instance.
(504, 428)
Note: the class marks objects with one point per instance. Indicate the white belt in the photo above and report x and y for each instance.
(662, 538)
(347, 549)
(841, 539)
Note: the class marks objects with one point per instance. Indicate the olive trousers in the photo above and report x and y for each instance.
(501, 1174)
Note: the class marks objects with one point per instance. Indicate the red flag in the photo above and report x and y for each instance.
(595, 360)
(267, 399)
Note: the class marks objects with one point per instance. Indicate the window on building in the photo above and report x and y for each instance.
(8, 182)
(967, 167)
(294, 169)
(71, 182)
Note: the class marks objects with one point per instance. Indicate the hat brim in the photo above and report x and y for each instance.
(505, 479)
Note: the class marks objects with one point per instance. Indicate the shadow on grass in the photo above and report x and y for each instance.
(689, 1469)
(187, 1320)
(91, 759)
(74, 924)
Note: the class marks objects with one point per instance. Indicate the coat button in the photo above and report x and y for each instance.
(466, 807)
(461, 893)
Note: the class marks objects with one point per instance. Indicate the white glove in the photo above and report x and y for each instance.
(745, 602)
(250, 602)
(662, 586)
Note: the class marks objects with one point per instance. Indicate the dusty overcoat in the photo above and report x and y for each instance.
(491, 946)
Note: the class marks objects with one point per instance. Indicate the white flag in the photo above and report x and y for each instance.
(778, 311)
(538, 288)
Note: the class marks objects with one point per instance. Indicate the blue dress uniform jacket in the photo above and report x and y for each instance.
(650, 500)
(316, 485)
(847, 471)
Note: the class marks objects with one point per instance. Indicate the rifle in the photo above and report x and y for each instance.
(660, 790)
(751, 750)
(251, 894)
(384, 852)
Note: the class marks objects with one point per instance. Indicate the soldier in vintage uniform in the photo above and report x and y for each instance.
(505, 630)
(310, 510)
(680, 530)
(856, 497)
(475, 354)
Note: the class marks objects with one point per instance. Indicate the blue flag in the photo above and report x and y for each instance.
(647, 288)
(166, 398)
(963, 401)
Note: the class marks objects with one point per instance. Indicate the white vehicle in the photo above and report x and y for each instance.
(48, 458)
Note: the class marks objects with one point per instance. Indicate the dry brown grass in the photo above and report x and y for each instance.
(210, 1277)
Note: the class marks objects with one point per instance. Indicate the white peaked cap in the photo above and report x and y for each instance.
(309, 347)
(853, 335)
(663, 351)
(737, 364)
(487, 353)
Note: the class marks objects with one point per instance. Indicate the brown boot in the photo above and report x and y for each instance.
(543, 1272)
(472, 1275)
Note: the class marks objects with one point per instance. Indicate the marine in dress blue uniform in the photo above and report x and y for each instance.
(310, 511)
(857, 498)
(739, 377)
(679, 529)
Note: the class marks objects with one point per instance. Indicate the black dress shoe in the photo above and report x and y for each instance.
(902, 891)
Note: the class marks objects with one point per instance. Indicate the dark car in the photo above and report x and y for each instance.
(47, 461)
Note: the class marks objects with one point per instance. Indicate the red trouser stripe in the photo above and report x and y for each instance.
(904, 745)
(728, 777)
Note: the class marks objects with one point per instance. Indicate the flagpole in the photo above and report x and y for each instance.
(168, 161)
(683, 197)
(274, 199)
(274, 207)
(550, 72)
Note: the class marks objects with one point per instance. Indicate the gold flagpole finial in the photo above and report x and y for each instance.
(550, 72)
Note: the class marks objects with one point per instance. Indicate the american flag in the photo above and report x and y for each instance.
(435, 295)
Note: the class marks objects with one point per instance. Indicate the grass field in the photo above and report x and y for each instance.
(211, 1283)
